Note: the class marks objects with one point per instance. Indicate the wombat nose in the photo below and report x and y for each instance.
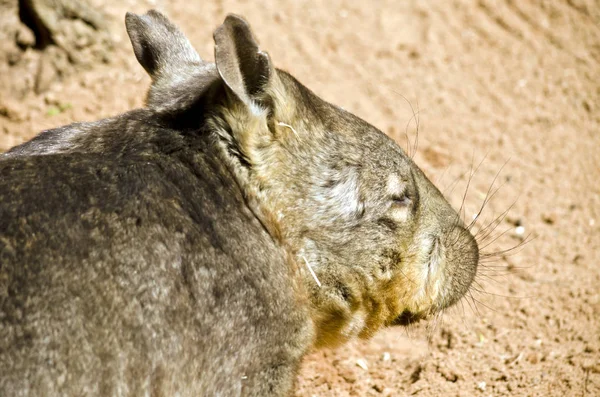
(462, 258)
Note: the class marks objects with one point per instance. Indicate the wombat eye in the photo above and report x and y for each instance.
(401, 200)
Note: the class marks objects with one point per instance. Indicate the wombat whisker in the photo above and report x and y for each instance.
(491, 192)
(485, 231)
(463, 314)
(490, 238)
(415, 116)
(480, 288)
(452, 185)
(434, 325)
(477, 217)
(485, 258)
(460, 212)
(495, 276)
(526, 240)
(488, 196)
(493, 273)
(458, 311)
(509, 251)
(491, 263)
(498, 279)
(508, 269)
(469, 180)
(477, 301)
(312, 272)
(490, 227)
(469, 298)
(438, 180)
(488, 278)
(477, 289)
(501, 295)
(471, 175)
(467, 325)
(288, 126)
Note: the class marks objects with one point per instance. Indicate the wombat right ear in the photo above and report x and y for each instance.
(159, 46)
(245, 69)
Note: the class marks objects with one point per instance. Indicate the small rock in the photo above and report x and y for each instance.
(50, 99)
(549, 219)
(362, 363)
(10, 111)
(378, 387)
(514, 221)
(448, 374)
(46, 75)
(481, 386)
(25, 37)
(533, 357)
(591, 365)
(348, 375)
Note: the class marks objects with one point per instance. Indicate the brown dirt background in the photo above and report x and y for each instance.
(511, 86)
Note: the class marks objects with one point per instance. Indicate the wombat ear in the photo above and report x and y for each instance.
(245, 69)
(159, 46)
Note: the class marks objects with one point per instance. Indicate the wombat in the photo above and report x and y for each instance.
(204, 244)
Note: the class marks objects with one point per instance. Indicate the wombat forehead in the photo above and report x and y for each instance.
(386, 157)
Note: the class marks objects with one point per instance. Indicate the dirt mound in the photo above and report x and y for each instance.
(507, 88)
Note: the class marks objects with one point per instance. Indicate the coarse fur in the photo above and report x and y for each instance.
(204, 244)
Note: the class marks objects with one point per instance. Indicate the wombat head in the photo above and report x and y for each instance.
(375, 240)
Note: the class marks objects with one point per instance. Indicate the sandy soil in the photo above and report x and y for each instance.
(510, 89)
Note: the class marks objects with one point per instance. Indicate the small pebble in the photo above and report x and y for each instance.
(481, 386)
(362, 363)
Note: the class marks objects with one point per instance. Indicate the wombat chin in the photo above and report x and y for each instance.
(358, 303)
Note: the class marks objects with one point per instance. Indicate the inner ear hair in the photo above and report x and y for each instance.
(243, 67)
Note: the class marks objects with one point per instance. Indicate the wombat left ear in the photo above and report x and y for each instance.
(244, 68)
(160, 47)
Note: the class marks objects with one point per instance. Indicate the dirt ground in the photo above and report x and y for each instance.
(508, 88)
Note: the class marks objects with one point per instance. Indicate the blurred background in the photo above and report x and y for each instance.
(504, 98)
